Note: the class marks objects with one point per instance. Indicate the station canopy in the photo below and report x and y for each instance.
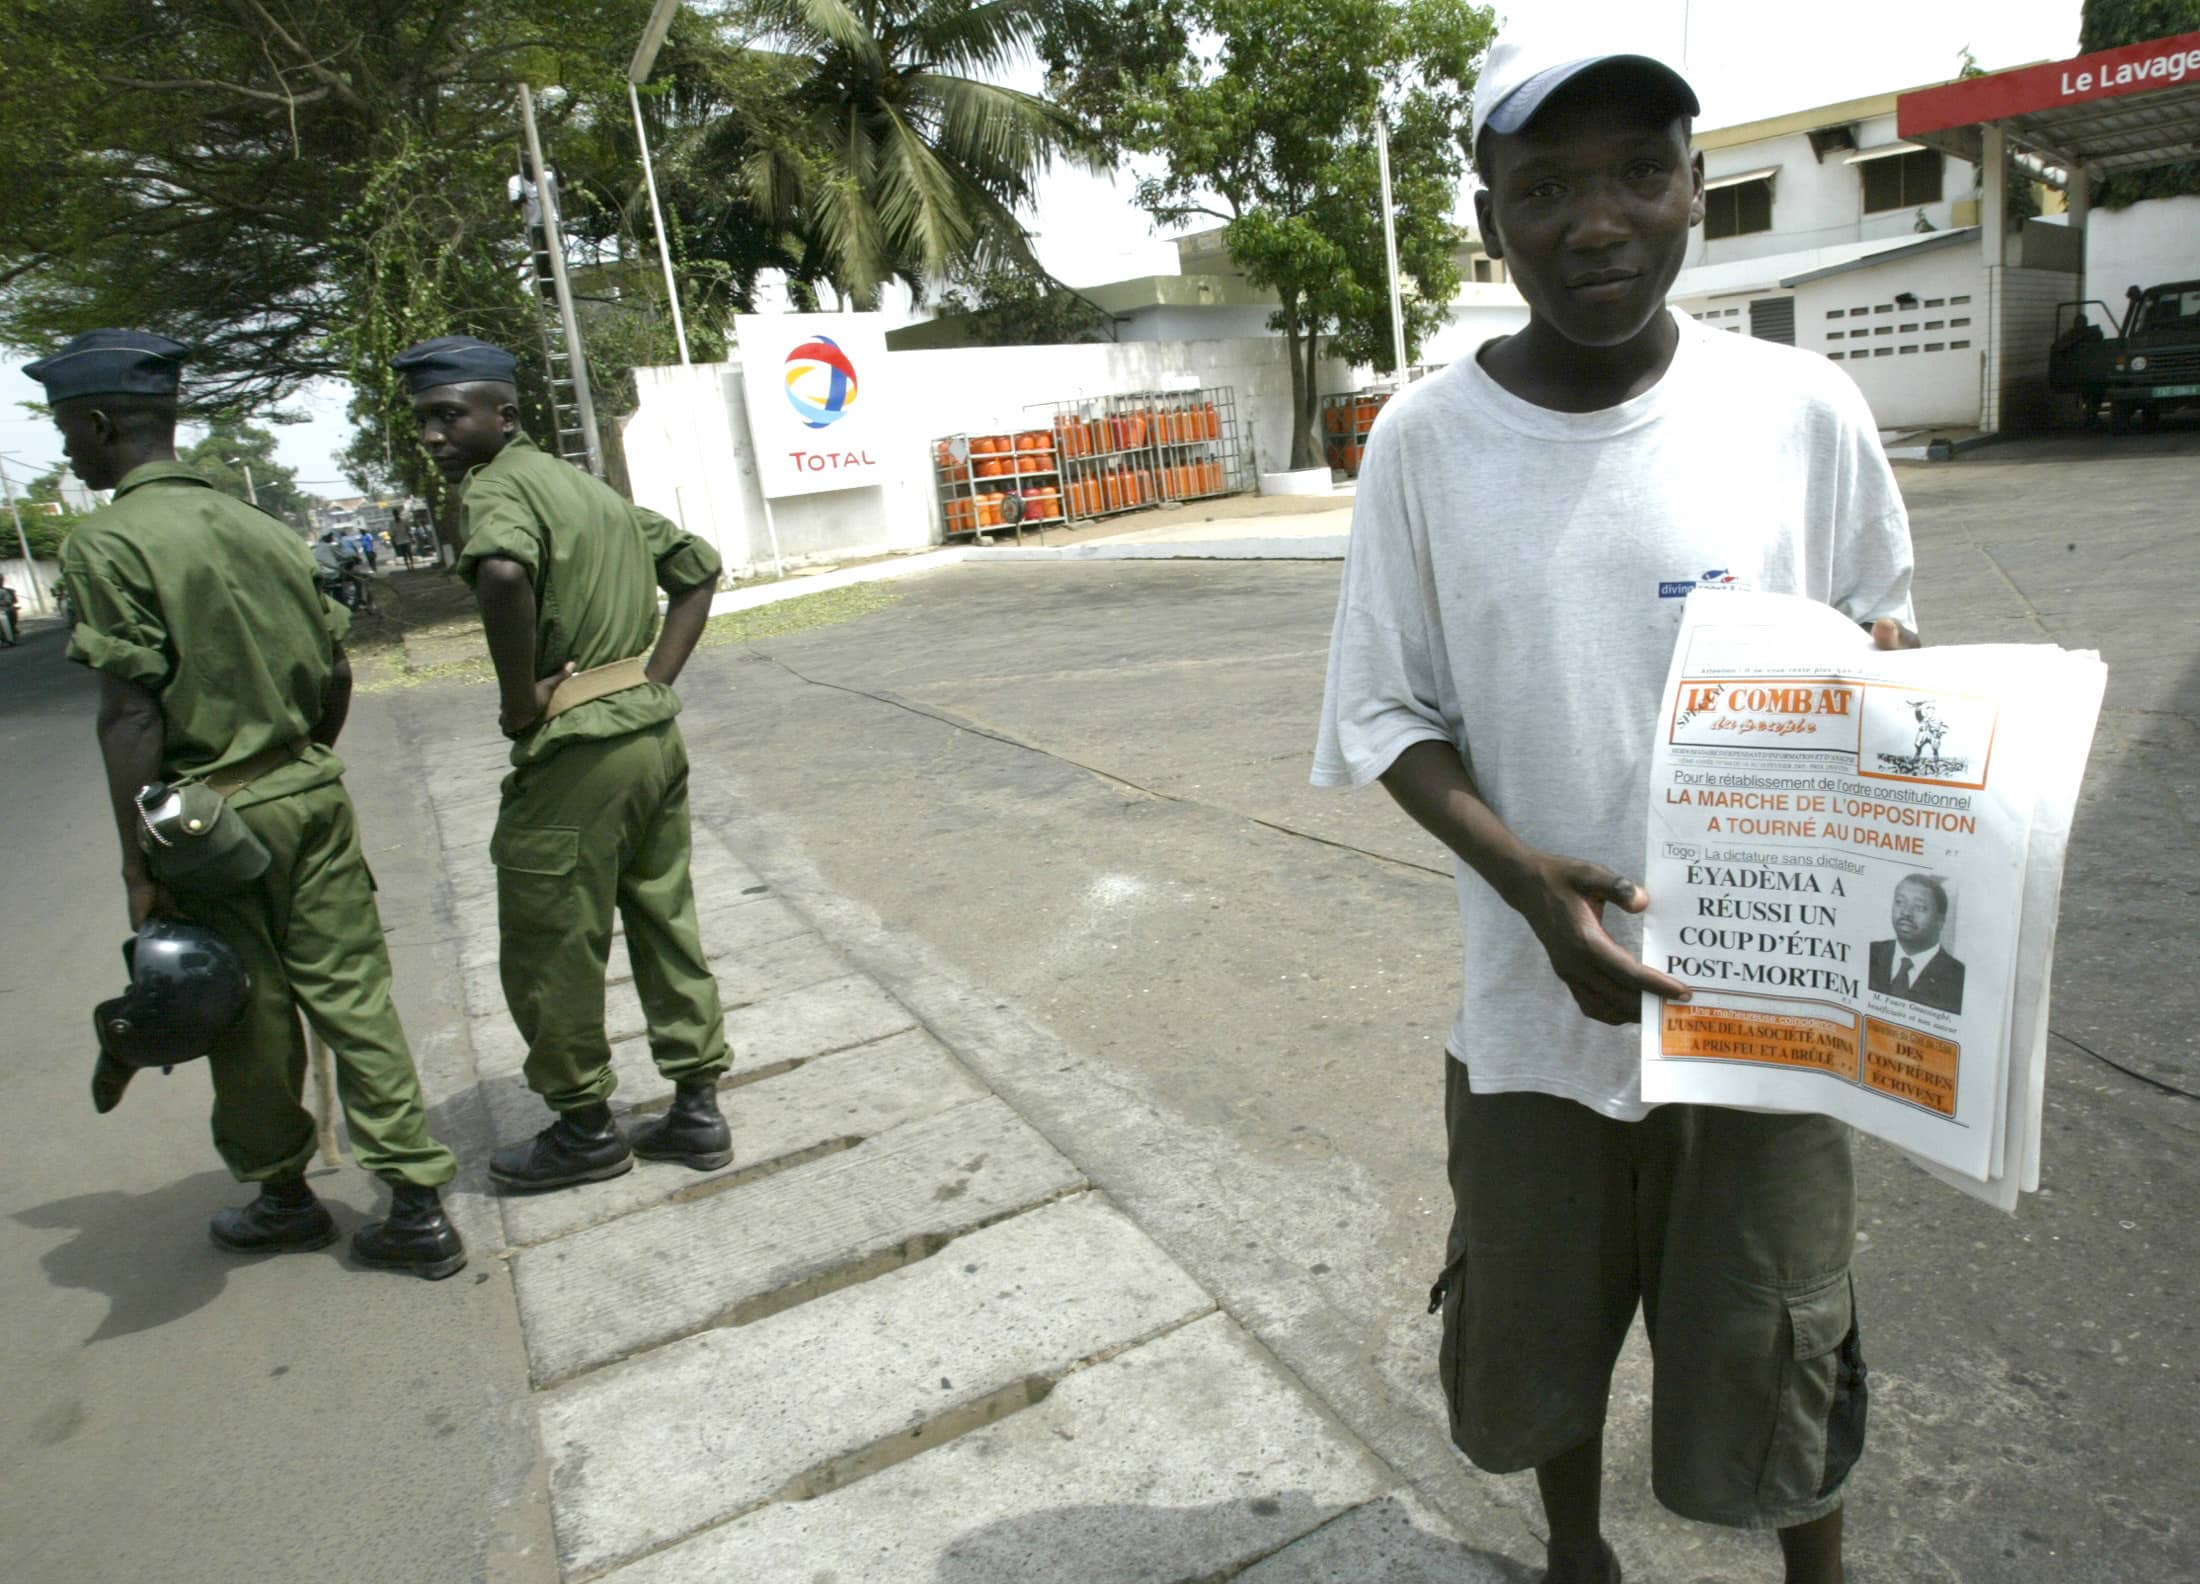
(2120, 109)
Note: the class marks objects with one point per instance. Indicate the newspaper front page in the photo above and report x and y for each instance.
(1855, 863)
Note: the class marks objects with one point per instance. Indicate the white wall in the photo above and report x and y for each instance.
(1481, 312)
(1821, 204)
(1185, 322)
(689, 454)
(19, 579)
(1917, 365)
(2153, 241)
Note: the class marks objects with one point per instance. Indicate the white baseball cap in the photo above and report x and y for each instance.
(1525, 68)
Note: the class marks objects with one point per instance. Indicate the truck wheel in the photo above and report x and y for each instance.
(2119, 416)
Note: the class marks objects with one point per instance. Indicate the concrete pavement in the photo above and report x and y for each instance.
(902, 1333)
(1089, 1172)
(171, 1411)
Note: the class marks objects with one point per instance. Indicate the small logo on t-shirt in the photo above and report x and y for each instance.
(1717, 577)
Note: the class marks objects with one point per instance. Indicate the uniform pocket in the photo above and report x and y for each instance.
(542, 850)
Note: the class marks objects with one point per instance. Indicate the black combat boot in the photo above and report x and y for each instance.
(582, 1145)
(692, 1132)
(285, 1219)
(417, 1236)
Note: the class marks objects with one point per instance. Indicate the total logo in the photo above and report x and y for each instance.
(821, 382)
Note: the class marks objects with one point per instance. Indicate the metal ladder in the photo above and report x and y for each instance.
(571, 438)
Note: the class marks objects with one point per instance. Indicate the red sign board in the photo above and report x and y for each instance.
(2105, 74)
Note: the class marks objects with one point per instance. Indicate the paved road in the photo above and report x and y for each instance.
(1090, 1177)
(166, 1410)
(1083, 787)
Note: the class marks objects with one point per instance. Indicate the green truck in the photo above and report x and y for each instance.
(2148, 367)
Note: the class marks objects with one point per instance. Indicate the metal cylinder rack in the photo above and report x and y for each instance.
(1346, 420)
(1092, 459)
(976, 473)
(1146, 448)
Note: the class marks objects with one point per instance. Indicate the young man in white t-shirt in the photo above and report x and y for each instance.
(1528, 522)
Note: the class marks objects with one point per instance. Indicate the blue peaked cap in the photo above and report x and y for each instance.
(112, 363)
(453, 360)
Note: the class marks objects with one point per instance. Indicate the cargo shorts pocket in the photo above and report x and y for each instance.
(540, 850)
(1819, 1432)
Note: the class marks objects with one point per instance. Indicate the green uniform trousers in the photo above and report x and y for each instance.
(602, 824)
(311, 939)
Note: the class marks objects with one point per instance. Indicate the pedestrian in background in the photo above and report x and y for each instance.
(595, 811)
(221, 662)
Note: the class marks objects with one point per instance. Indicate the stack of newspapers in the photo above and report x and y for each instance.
(1855, 863)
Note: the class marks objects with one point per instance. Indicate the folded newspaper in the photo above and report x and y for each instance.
(1855, 863)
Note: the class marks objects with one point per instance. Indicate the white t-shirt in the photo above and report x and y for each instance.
(1513, 586)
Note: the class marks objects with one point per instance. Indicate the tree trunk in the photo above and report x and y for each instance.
(1306, 422)
(1302, 379)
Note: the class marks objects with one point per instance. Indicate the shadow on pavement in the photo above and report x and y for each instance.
(1154, 1542)
(147, 1253)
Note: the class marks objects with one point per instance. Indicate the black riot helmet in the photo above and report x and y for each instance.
(187, 984)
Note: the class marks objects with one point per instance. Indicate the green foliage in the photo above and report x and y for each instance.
(1008, 306)
(43, 526)
(300, 190)
(1262, 114)
(867, 141)
(2104, 24)
(231, 446)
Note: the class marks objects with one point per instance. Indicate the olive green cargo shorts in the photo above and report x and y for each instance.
(1732, 1228)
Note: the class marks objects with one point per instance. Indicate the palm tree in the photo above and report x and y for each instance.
(882, 154)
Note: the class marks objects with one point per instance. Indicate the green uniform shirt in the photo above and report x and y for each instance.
(212, 605)
(597, 562)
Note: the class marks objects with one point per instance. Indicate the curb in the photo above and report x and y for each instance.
(1323, 547)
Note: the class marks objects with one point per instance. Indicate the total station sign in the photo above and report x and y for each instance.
(819, 400)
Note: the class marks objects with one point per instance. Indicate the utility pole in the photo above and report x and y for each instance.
(250, 494)
(657, 218)
(1390, 249)
(554, 235)
(30, 567)
(637, 73)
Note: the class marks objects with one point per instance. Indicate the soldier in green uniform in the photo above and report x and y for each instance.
(595, 810)
(221, 663)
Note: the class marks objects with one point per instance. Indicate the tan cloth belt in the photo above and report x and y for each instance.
(582, 687)
(229, 782)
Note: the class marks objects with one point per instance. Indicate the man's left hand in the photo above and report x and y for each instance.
(1887, 633)
(514, 721)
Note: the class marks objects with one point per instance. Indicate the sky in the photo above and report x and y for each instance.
(1088, 231)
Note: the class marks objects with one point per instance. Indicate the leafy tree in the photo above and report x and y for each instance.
(2104, 24)
(299, 188)
(881, 152)
(1015, 307)
(230, 447)
(43, 526)
(1263, 116)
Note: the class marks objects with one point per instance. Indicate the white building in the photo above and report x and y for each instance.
(1824, 230)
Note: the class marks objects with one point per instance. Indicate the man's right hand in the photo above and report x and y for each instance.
(148, 899)
(1563, 900)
